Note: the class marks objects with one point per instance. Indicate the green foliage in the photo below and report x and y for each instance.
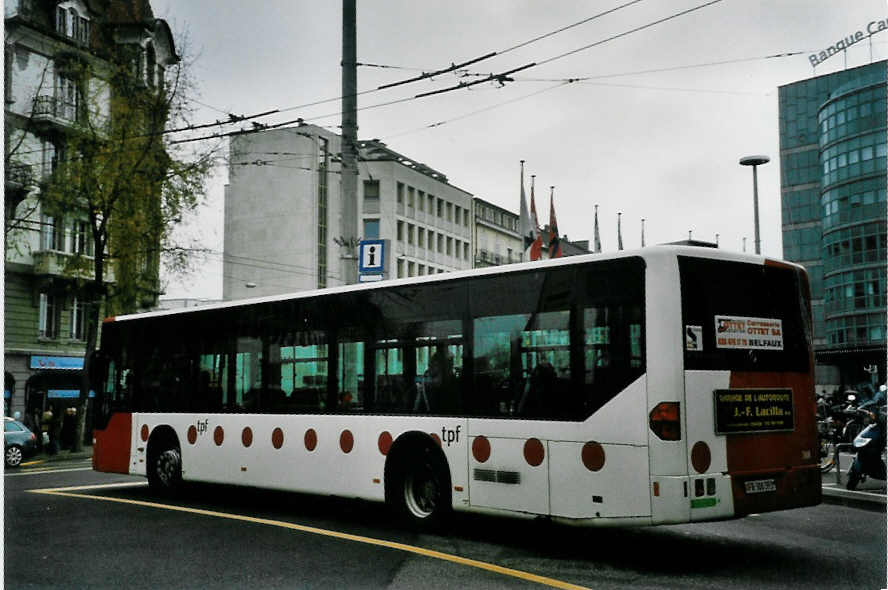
(120, 170)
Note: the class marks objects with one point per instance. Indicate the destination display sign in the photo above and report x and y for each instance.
(753, 410)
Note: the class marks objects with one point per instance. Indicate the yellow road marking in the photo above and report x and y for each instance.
(45, 470)
(37, 462)
(491, 567)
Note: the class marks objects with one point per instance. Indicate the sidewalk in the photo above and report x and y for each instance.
(64, 455)
(869, 494)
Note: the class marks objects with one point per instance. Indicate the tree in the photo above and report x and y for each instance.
(132, 184)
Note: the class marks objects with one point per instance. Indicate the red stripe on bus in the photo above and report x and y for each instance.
(111, 452)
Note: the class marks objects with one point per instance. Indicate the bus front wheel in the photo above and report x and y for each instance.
(165, 471)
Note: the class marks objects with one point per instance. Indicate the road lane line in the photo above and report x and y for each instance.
(491, 567)
(47, 470)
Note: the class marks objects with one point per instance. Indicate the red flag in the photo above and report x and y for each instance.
(554, 239)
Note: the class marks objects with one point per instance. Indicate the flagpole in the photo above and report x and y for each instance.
(596, 243)
(619, 232)
(642, 232)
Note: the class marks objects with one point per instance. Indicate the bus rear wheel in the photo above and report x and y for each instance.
(165, 471)
(420, 492)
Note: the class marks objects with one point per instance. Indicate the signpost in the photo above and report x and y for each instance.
(371, 260)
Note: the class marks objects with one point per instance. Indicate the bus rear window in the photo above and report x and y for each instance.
(744, 317)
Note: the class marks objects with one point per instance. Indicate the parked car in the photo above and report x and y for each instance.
(19, 442)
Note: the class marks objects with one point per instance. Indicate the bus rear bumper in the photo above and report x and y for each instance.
(767, 491)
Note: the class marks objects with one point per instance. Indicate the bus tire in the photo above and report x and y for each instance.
(418, 486)
(164, 465)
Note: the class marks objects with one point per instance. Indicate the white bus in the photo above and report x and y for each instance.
(664, 385)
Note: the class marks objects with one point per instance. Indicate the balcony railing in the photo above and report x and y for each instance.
(55, 110)
(19, 176)
(55, 262)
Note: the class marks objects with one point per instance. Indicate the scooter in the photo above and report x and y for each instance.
(868, 446)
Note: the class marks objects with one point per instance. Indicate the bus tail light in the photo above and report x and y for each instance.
(665, 421)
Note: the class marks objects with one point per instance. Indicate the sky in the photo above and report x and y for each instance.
(655, 131)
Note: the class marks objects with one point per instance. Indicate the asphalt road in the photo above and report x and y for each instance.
(219, 537)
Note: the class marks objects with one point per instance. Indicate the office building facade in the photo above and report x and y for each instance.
(833, 181)
(283, 204)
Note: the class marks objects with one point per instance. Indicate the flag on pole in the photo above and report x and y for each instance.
(535, 252)
(597, 241)
(524, 222)
(554, 238)
(619, 234)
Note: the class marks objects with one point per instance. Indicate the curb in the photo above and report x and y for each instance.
(857, 499)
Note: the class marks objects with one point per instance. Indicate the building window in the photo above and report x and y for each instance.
(78, 320)
(449, 212)
(151, 66)
(411, 197)
(371, 229)
(52, 234)
(410, 232)
(420, 236)
(400, 231)
(400, 193)
(67, 98)
(431, 204)
(431, 241)
(50, 315)
(62, 21)
(440, 209)
(421, 200)
(371, 190)
(82, 238)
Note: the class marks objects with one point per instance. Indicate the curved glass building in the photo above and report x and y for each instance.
(833, 181)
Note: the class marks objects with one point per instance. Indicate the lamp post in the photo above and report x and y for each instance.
(755, 162)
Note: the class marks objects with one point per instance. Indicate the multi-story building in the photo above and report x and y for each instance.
(283, 204)
(59, 60)
(833, 180)
(496, 236)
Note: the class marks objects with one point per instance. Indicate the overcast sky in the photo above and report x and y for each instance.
(662, 145)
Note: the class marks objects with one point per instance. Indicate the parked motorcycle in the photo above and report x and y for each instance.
(868, 446)
(837, 422)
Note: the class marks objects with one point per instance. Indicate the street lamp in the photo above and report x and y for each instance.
(755, 161)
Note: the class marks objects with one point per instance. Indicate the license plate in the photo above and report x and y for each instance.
(759, 486)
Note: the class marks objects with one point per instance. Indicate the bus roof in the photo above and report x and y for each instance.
(649, 253)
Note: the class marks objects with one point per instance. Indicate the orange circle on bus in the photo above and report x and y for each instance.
(385, 442)
(311, 439)
(701, 457)
(481, 449)
(247, 436)
(436, 438)
(192, 434)
(593, 456)
(218, 436)
(534, 453)
(277, 438)
(144, 432)
(346, 441)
